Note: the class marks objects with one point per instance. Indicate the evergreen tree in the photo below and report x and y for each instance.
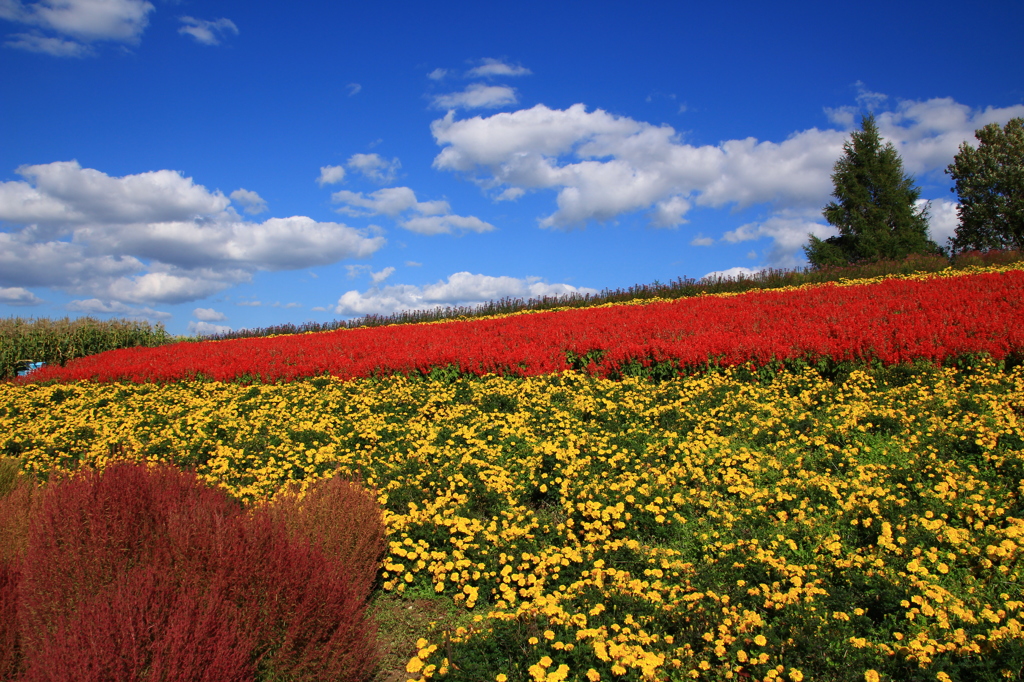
(875, 209)
(990, 185)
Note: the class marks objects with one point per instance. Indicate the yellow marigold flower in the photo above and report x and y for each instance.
(872, 676)
(593, 675)
(501, 677)
(414, 665)
(795, 675)
(548, 634)
(760, 640)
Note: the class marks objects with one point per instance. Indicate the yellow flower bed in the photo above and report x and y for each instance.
(712, 527)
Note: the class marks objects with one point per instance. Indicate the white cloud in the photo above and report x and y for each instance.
(195, 244)
(353, 89)
(251, 202)
(205, 31)
(18, 296)
(208, 315)
(510, 194)
(732, 273)
(207, 329)
(330, 175)
(788, 235)
(434, 217)
(84, 20)
(413, 264)
(57, 47)
(460, 289)
(669, 212)
(356, 270)
(943, 219)
(379, 277)
(437, 74)
(602, 166)
(389, 201)
(477, 96)
(445, 224)
(63, 194)
(867, 99)
(375, 167)
(250, 304)
(701, 240)
(496, 67)
(94, 306)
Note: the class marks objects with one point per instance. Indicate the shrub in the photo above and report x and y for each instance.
(146, 573)
(10, 654)
(146, 626)
(343, 519)
(307, 619)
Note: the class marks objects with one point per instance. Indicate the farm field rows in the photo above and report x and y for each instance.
(892, 320)
(727, 525)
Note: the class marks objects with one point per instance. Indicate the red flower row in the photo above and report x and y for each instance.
(892, 321)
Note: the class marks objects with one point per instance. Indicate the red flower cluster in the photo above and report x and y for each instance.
(896, 320)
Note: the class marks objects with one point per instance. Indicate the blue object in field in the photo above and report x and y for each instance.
(31, 367)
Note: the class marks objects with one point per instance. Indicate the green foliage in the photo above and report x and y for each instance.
(55, 342)
(875, 211)
(990, 185)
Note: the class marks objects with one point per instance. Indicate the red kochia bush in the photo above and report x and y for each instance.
(341, 517)
(137, 573)
(892, 321)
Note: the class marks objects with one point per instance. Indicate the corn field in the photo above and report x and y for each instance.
(24, 341)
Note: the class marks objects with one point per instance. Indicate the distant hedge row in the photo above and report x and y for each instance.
(29, 340)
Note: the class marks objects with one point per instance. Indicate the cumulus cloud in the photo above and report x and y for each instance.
(701, 240)
(943, 219)
(788, 235)
(150, 237)
(374, 166)
(84, 21)
(207, 329)
(389, 201)
(18, 296)
(94, 306)
(251, 202)
(445, 224)
(732, 273)
(378, 277)
(496, 67)
(207, 32)
(208, 315)
(477, 96)
(601, 166)
(434, 217)
(460, 289)
(330, 175)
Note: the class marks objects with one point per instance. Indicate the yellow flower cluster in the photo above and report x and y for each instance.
(711, 527)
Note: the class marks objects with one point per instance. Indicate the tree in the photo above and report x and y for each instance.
(990, 185)
(875, 208)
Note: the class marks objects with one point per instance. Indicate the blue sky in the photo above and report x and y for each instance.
(235, 164)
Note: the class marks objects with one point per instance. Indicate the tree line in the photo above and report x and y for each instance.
(876, 210)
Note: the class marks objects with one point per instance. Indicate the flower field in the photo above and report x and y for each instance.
(893, 320)
(855, 521)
